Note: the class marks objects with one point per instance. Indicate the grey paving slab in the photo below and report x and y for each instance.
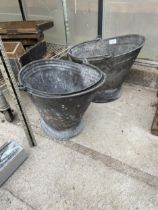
(112, 165)
(8, 201)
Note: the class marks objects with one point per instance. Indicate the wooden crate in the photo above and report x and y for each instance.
(27, 32)
(14, 49)
(25, 27)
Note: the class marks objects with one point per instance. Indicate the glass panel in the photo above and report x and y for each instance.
(83, 16)
(9, 10)
(49, 10)
(137, 16)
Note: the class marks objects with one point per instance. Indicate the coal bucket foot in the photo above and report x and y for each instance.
(108, 96)
(62, 134)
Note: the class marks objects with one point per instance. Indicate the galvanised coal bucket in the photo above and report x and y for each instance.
(114, 56)
(62, 92)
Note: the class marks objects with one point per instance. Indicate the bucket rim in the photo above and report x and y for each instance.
(98, 58)
(42, 94)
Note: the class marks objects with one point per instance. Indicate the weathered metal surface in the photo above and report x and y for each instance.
(12, 155)
(114, 56)
(36, 52)
(62, 92)
(58, 77)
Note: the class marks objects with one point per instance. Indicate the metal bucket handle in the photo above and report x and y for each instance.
(98, 58)
(22, 88)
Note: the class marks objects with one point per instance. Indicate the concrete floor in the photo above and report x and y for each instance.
(111, 165)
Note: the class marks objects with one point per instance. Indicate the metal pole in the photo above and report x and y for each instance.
(100, 18)
(12, 86)
(22, 10)
(66, 22)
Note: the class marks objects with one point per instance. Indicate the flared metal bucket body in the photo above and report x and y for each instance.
(114, 56)
(61, 118)
(50, 83)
